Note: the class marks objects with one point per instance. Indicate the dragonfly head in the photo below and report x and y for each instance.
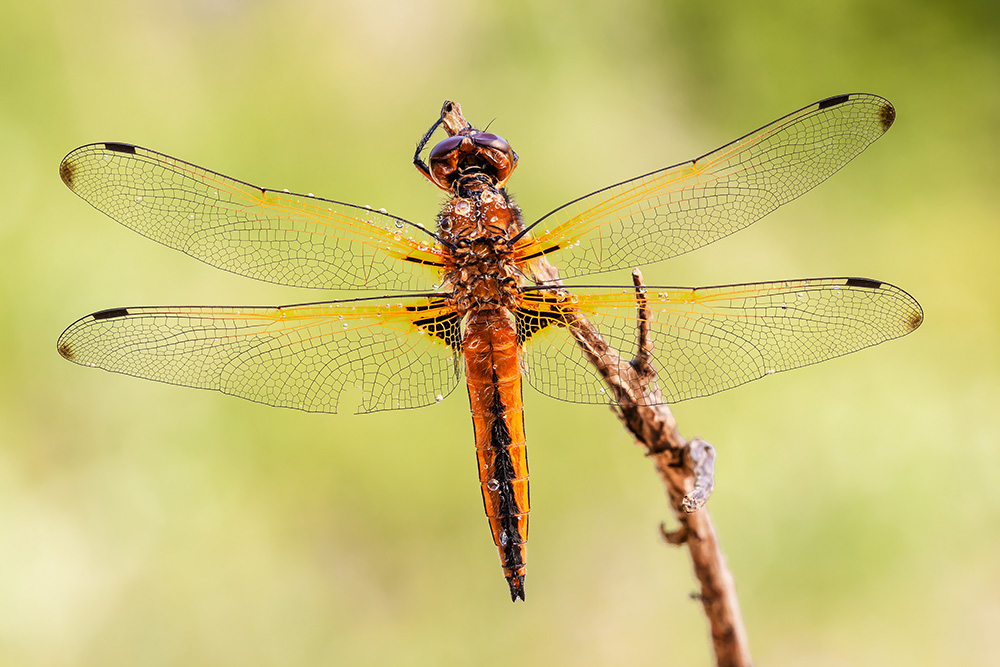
(471, 152)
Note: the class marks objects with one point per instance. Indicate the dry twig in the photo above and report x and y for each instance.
(686, 468)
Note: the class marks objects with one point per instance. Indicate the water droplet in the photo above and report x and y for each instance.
(345, 325)
(382, 210)
(310, 195)
(397, 237)
(462, 207)
(138, 199)
(784, 306)
(340, 317)
(492, 485)
(191, 217)
(503, 538)
(600, 389)
(285, 190)
(769, 371)
(438, 398)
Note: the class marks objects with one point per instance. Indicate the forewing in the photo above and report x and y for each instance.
(271, 235)
(678, 209)
(401, 352)
(709, 339)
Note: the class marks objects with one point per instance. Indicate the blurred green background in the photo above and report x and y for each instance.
(858, 501)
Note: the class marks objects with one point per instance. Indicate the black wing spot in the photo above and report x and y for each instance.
(887, 115)
(110, 313)
(67, 172)
(445, 327)
(833, 101)
(863, 282)
(530, 321)
(120, 148)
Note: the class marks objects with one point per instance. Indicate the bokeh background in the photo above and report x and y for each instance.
(858, 501)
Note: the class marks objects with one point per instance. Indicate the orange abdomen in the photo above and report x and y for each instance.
(494, 380)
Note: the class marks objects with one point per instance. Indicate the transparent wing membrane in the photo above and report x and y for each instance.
(710, 339)
(681, 208)
(401, 352)
(276, 236)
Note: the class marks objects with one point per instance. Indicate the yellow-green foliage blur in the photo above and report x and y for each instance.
(858, 501)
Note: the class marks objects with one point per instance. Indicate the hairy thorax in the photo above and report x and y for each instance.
(479, 222)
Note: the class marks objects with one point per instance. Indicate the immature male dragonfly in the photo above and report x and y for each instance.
(481, 302)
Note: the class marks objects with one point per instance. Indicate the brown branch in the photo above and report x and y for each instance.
(686, 468)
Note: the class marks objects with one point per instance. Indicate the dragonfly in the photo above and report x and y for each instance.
(476, 292)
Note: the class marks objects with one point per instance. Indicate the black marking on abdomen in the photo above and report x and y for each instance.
(833, 101)
(110, 313)
(863, 282)
(504, 474)
(120, 148)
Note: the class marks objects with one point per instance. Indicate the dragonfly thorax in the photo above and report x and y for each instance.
(480, 268)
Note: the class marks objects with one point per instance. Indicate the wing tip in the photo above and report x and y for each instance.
(67, 172)
(886, 112)
(65, 350)
(886, 115)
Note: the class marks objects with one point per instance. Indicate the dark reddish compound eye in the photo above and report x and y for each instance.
(445, 146)
(488, 140)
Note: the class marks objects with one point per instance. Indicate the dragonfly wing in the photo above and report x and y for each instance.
(684, 207)
(271, 235)
(709, 339)
(401, 352)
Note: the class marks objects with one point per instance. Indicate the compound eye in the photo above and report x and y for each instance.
(445, 146)
(489, 140)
